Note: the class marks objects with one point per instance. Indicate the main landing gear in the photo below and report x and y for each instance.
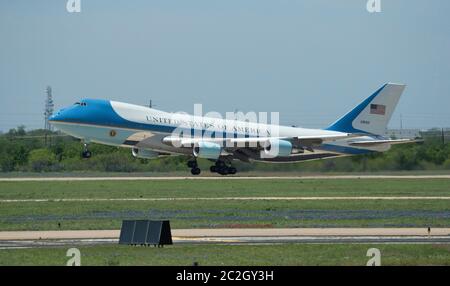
(221, 167)
(86, 153)
(195, 170)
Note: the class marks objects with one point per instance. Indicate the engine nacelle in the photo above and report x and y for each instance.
(277, 148)
(207, 150)
(144, 153)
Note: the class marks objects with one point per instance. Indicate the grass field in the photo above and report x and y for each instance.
(195, 213)
(224, 213)
(245, 255)
(186, 172)
(224, 188)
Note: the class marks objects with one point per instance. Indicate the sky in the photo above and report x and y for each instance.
(310, 60)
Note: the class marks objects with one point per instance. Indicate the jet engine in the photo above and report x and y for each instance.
(207, 150)
(277, 148)
(144, 153)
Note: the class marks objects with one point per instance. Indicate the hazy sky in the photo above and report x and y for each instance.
(310, 60)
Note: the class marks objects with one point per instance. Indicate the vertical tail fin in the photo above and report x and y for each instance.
(373, 114)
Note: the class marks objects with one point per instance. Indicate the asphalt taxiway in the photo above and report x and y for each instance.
(31, 239)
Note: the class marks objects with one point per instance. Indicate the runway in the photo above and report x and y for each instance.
(363, 198)
(321, 177)
(31, 239)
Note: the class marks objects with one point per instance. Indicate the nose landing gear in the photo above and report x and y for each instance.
(86, 153)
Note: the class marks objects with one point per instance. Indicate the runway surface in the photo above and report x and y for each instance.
(18, 244)
(322, 177)
(29, 239)
(229, 232)
(366, 198)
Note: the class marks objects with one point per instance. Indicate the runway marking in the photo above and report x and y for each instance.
(31, 179)
(271, 240)
(361, 198)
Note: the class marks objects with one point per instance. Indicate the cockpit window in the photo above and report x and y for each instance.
(76, 103)
(80, 103)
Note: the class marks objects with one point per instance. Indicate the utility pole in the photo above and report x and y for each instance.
(48, 112)
(401, 126)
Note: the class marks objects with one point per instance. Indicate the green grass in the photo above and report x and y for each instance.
(224, 188)
(245, 255)
(205, 165)
(201, 214)
(224, 213)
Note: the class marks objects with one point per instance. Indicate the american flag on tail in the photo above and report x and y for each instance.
(378, 109)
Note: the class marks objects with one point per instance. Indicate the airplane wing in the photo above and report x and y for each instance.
(257, 141)
(367, 143)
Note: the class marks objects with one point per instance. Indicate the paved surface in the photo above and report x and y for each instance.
(363, 198)
(225, 178)
(33, 239)
(229, 232)
(17, 244)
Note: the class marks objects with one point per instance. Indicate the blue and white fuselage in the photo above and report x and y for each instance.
(150, 132)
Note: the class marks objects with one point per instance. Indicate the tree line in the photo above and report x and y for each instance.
(46, 151)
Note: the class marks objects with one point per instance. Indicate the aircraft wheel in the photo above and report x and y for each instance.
(223, 171)
(195, 171)
(220, 164)
(192, 164)
(87, 154)
(213, 169)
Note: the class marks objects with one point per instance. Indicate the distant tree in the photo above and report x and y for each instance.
(39, 150)
(6, 162)
(41, 160)
(19, 131)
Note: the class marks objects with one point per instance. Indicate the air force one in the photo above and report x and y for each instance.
(151, 133)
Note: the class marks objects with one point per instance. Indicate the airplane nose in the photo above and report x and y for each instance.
(52, 118)
(57, 116)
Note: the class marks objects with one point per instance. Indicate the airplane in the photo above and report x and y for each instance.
(151, 133)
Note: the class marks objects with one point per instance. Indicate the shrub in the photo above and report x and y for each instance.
(41, 160)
